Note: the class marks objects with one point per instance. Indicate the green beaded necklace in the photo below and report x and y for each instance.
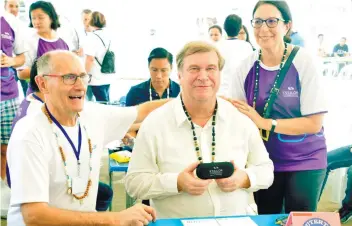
(196, 144)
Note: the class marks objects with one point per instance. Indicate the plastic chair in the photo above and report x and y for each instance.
(339, 182)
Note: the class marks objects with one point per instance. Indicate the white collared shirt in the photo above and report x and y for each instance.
(36, 166)
(164, 147)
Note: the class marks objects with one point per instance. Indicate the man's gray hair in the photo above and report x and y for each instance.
(44, 65)
(87, 11)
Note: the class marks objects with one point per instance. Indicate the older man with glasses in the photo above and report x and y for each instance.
(57, 151)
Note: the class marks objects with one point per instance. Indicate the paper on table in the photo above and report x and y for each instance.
(236, 221)
(205, 222)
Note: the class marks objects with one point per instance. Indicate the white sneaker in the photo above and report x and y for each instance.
(5, 199)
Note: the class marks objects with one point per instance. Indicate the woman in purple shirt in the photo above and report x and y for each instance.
(45, 20)
(291, 124)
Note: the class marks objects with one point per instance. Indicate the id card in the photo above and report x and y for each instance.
(79, 185)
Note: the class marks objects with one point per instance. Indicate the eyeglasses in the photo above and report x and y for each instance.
(270, 22)
(70, 79)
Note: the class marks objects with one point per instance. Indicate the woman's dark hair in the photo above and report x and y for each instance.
(285, 11)
(247, 36)
(33, 74)
(49, 9)
(217, 27)
(97, 20)
(160, 53)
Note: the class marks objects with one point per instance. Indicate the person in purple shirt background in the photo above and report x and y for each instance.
(45, 20)
(12, 6)
(11, 43)
(292, 132)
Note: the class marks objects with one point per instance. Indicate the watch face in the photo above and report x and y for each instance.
(274, 123)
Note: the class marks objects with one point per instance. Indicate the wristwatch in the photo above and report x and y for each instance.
(273, 125)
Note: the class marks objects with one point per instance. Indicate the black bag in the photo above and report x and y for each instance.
(108, 64)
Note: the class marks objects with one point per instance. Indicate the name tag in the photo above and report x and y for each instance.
(79, 185)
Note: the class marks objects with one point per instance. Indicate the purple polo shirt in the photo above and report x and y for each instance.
(9, 88)
(45, 46)
(301, 94)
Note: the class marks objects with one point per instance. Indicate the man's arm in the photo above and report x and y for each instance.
(145, 108)
(89, 63)
(24, 74)
(40, 214)
(134, 128)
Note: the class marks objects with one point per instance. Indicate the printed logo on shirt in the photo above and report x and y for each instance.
(290, 92)
(6, 35)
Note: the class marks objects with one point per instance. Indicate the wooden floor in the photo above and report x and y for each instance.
(119, 194)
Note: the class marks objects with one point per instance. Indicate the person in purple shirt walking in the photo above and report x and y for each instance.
(45, 20)
(11, 43)
(289, 115)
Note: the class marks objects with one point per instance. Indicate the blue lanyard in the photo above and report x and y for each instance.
(38, 98)
(77, 152)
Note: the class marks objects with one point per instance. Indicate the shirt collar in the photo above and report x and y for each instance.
(172, 85)
(182, 118)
